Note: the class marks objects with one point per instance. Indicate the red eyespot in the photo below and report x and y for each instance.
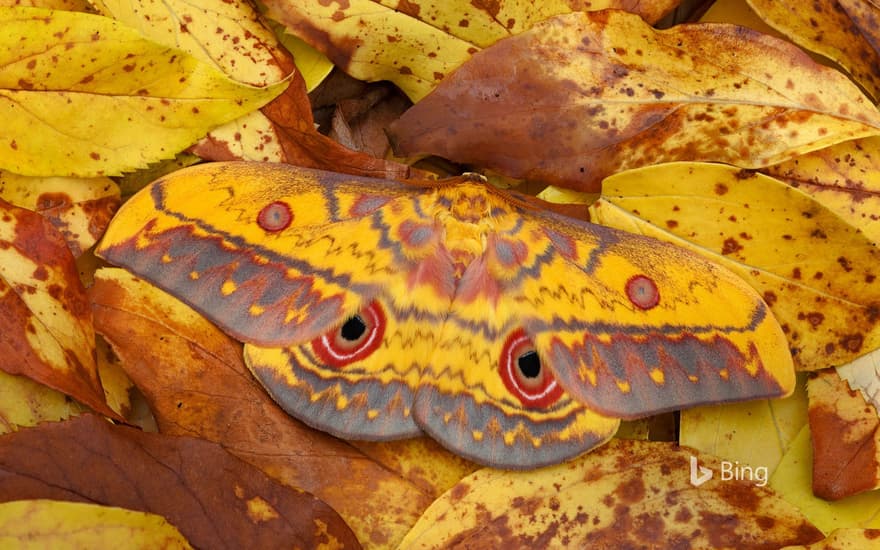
(642, 292)
(354, 340)
(524, 375)
(275, 216)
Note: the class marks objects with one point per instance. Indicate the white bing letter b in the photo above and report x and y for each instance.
(699, 474)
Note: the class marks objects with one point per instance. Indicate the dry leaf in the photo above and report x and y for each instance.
(197, 384)
(415, 44)
(817, 273)
(46, 330)
(108, 99)
(214, 498)
(792, 481)
(626, 494)
(846, 438)
(844, 177)
(39, 524)
(584, 95)
(80, 208)
(844, 31)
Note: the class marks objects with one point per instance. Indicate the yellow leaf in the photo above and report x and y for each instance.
(792, 480)
(226, 34)
(844, 177)
(42, 524)
(845, 539)
(83, 95)
(626, 494)
(80, 208)
(816, 271)
(25, 403)
(584, 95)
(757, 433)
(416, 44)
(833, 28)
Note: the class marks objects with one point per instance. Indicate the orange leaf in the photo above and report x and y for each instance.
(584, 95)
(215, 499)
(196, 382)
(46, 330)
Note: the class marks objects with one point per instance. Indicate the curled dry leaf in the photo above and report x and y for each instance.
(415, 44)
(844, 177)
(846, 438)
(585, 95)
(844, 31)
(46, 330)
(80, 208)
(197, 384)
(85, 74)
(37, 524)
(214, 498)
(627, 494)
(817, 272)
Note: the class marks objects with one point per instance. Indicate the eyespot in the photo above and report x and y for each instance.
(354, 340)
(642, 292)
(524, 375)
(275, 216)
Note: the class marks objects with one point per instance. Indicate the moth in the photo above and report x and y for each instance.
(378, 310)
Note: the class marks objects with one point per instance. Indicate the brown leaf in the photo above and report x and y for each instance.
(214, 498)
(46, 330)
(584, 95)
(846, 438)
(416, 43)
(80, 208)
(197, 384)
(626, 494)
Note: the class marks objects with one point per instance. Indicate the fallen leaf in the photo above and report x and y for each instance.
(792, 481)
(844, 177)
(844, 31)
(817, 273)
(626, 494)
(845, 539)
(215, 499)
(117, 385)
(420, 460)
(756, 433)
(584, 95)
(39, 524)
(197, 384)
(846, 438)
(227, 34)
(80, 208)
(46, 330)
(84, 74)
(863, 374)
(415, 44)
(25, 403)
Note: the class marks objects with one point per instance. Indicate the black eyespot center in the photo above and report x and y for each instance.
(529, 364)
(353, 329)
